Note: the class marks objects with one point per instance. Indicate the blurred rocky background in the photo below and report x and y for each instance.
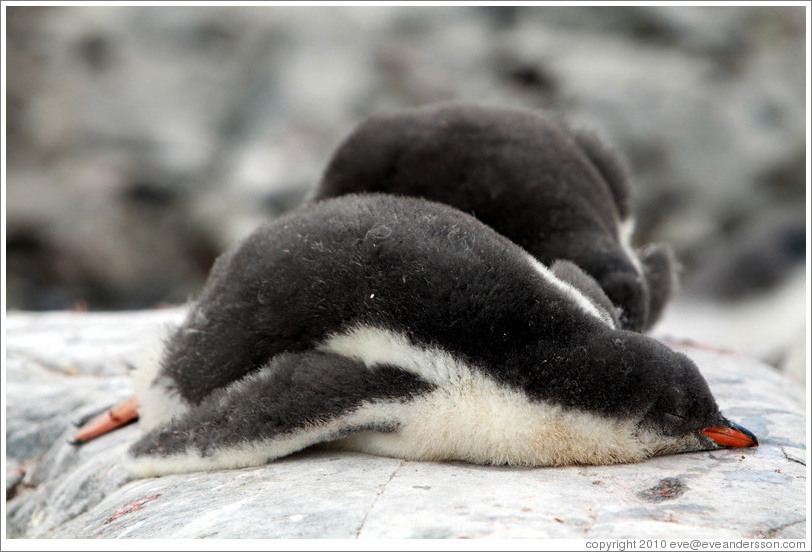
(142, 141)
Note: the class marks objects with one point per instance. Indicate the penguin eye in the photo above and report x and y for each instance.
(675, 419)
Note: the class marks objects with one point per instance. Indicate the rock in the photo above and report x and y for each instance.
(749, 295)
(62, 366)
(15, 472)
(157, 137)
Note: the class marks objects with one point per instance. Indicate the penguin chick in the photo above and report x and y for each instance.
(403, 327)
(558, 194)
(407, 328)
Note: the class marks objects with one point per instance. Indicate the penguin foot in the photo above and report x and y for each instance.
(109, 420)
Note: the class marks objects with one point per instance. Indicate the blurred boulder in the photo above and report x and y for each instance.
(144, 140)
(749, 294)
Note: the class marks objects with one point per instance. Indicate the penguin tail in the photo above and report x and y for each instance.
(109, 420)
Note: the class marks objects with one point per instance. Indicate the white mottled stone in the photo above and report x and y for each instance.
(63, 365)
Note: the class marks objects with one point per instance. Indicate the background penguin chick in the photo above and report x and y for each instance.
(559, 194)
(403, 327)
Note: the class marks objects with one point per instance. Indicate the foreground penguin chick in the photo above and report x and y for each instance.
(558, 194)
(406, 328)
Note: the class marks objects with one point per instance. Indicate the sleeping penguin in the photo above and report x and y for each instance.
(558, 194)
(407, 328)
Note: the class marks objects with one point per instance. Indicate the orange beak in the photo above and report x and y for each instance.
(734, 436)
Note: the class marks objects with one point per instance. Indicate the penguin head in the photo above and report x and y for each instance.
(680, 414)
(656, 397)
(686, 413)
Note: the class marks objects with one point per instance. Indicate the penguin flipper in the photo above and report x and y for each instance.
(295, 401)
(660, 269)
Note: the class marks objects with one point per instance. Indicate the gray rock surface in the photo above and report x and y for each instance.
(63, 365)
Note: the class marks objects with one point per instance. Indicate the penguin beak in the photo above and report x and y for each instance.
(733, 436)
